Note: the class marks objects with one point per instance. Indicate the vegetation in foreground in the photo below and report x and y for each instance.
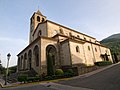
(103, 63)
(59, 73)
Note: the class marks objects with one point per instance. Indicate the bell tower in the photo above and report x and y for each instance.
(36, 18)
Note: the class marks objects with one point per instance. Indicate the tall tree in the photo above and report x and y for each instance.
(50, 70)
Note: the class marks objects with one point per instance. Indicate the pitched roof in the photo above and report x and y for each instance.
(38, 12)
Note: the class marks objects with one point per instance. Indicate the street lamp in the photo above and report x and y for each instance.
(8, 57)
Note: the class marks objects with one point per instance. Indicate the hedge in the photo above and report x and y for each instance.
(48, 78)
(68, 73)
(22, 78)
(58, 74)
(32, 79)
(103, 63)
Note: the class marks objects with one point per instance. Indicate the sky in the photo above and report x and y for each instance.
(96, 18)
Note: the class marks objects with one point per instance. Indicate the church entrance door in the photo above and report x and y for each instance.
(51, 58)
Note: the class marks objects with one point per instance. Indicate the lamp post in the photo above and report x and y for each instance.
(8, 57)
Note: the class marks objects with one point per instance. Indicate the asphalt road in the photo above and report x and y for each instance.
(108, 79)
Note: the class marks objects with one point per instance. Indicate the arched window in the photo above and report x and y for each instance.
(30, 59)
(77, 49)
(38, 18)
(25, 61)
(21, 64)
(78, 36)
(84, 38)
(36, 55)
(43, 19)
(89, 48)
(40, 33)
(96, 49)
(70, 34)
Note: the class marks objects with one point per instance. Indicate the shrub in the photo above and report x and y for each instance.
(59, 72)
(32, 79)
(103, 63)
(66, 74)
(22, 78)
(43, 74)
(48, 78)
(12, 69)
(69, 73)
(37, 78)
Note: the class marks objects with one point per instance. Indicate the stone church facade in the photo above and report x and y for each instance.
(67, 46)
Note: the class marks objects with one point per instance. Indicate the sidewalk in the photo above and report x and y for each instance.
(2, 83)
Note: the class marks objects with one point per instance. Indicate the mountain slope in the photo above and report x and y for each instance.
(113, 42)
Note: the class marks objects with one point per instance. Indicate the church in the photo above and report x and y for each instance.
(66, 46)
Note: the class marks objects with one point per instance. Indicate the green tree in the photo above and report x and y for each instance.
(50, 70)
(12, 69)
